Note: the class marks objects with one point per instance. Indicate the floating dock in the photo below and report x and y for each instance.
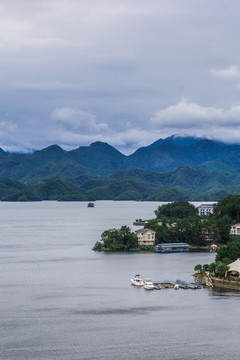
(167, 284)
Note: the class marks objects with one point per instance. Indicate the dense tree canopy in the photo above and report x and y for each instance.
(230, 252)
(117, 240)
(177, 209)
(230, 206)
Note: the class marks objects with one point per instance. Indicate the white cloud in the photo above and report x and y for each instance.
(187, 114)
(231, 72)
(192, 119)
(125, 141)
(77, 119)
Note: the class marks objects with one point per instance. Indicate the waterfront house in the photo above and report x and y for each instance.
(146, 237)
(205, 209)
(235, 230)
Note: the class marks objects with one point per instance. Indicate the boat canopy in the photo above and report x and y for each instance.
(172, 245)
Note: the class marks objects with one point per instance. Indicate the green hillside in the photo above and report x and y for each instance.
(167, 170)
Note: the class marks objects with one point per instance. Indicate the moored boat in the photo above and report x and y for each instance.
(137, 280)
(172, 248)
(148, 285)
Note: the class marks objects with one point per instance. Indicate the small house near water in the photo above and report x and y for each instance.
(145, 237)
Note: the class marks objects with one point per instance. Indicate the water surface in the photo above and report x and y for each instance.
(61, 300)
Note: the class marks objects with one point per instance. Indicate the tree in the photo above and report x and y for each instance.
(212, 267)
(222, 269)
(205, 267)
(190, 230)
(177, 210)
(223, 224)
(128, 238)
(229, 252)
(198, 268)
(118, 240)
(230, 206)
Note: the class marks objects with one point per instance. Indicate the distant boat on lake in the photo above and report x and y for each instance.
(90, 204)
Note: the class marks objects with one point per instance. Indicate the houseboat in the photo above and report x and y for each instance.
(172, 247)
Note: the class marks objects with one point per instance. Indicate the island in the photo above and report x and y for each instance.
(224, 272)
(181, 222)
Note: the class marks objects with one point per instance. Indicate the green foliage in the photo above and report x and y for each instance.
(117, 240)
(190, 230)
(198, 268)
(177, 182)
(212, 267)
(98, 246)
(230, 252)
(150, 248)
(177, 209)
(229, 206)
(223, 224)
(221, 269)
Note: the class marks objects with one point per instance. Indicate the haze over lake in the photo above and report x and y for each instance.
(61, 300)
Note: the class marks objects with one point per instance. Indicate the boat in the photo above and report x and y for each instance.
(148, 285)
(172, 248)
(137, 280)
(90, 204)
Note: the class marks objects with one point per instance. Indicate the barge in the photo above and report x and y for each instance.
(172, 248)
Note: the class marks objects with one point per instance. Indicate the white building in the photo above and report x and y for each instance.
(205, 209)
(235, 229)
(146, 237)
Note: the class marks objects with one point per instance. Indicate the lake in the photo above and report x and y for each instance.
(61, 300)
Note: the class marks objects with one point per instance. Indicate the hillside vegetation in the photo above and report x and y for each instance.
(167, 170)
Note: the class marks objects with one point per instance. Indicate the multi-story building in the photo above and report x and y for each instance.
(235, 229)
(145, 237)
(205, 209)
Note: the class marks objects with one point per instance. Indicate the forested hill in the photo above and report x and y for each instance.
(169, 169)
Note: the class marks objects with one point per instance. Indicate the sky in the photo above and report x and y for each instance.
(126, 72)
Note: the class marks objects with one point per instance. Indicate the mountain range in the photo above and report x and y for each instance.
(176, 168)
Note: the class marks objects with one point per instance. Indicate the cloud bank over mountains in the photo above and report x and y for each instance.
(128, 73)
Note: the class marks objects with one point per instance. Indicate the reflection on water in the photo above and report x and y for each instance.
(61, 300)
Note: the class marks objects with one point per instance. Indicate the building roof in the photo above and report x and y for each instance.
(144, 230)
(173, 244)
(205, 205)
(235, 266)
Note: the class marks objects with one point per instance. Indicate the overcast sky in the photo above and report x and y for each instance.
(126, 72)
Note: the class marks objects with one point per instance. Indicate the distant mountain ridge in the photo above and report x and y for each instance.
(101, 158)
(176, 167)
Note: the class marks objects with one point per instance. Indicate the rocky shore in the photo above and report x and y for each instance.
(213, 281)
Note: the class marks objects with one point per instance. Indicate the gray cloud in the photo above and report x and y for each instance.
(73, 72)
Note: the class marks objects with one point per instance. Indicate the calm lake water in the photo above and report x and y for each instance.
(61, 300)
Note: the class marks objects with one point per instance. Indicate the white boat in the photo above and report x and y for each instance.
(148, 285)
(137, 280)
